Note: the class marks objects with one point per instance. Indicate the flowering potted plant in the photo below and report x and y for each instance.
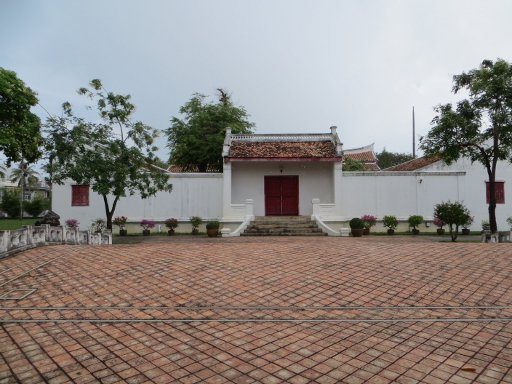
(196, 222)
(390, 222)
(120, 221)
(171, 223)
(440, 224)
(72, 223)
(368, 221)
(356, 226)
(146, 225)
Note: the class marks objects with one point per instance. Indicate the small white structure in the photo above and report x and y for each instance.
(301, 174)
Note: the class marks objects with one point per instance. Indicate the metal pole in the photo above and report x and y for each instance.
(413, 135)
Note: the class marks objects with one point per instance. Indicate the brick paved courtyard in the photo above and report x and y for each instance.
(267, 310)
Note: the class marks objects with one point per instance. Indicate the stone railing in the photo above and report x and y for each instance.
(30, 237)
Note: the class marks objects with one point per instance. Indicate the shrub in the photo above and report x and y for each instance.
(35, 207)
(147, 224)
(438, 222)
(11, 203)
(390, 221)
(171, 223)
(214, 224)
(369, 221)
(453, 214)
(98, 225)
(120, 221)
(356, 223)
(195, 221)
(509, 221)
(414, 221)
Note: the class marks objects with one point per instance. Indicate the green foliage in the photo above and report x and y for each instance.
(387, 159)
(453, 214)
(356, 223)
(98, 225)
(479, 127)
(195, 221)
(214, 224)
(196, 140)
(353, 165)
(24, 175)
(11, 203)
(36, 206)
(116, 156)
(390, 221)
(20, 129)
(415, 220)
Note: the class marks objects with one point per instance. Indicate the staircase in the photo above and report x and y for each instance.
(283, 226)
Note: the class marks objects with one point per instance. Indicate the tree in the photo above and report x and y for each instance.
(196, 140)
(20, 129)
(36, 206)
(479, 127)
(24, 175)
(114, 157)
(387, 159)
(453, 214)
(353, 165)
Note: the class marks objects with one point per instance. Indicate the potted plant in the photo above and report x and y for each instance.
(414, 221)
(120, 221)
(146, 226)
(368, 221)
(171, 223)
(212, 228)
(72, 223)
(357, 227)
(469, 220)
(196, 222)
(390, 222)
(98, 225)
(440, 224)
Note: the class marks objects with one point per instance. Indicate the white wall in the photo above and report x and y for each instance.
(398, 193)
(192, 195)
(315, 181)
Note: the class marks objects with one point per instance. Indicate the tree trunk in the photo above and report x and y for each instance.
(492, 204)
(109, 213)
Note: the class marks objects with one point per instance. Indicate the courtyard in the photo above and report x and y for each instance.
(262, 310)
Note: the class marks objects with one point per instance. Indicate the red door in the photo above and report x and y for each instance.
(281, 195)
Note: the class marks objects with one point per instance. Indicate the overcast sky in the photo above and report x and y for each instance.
(296, 66)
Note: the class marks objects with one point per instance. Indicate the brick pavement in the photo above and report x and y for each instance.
(294, 310)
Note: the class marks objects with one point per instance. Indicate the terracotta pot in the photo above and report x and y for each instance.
(146, 232)
(195, 231)
(123, 232)
(170, 232)
(357, 232)
(366, 231)
(440, 231)
(415, 231)
(391, 231)
(465, 231)
(214, 232)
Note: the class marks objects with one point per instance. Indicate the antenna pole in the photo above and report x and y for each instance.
(413, 135)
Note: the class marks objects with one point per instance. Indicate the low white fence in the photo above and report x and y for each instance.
(17, 240)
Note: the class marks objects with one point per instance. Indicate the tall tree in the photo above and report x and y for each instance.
(115, 157)
(387, 159)
(20, 129)
(479, 127)
(196, 140)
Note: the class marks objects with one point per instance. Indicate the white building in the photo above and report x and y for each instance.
(266, 175)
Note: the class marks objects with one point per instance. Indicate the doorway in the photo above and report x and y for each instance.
(281, 195)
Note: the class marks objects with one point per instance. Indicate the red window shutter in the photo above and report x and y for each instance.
(499, 192)
(79, 195)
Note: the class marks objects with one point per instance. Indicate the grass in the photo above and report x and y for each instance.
(9, 224)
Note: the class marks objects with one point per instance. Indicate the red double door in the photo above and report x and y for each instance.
(281, 195)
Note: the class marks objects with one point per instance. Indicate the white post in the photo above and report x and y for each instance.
(226, 190)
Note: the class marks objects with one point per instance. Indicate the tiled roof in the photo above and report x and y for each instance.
(367, 156)
(414, 164)
(283, 149)
(371, 167)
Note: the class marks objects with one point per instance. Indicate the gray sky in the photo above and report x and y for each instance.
(295, 65)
